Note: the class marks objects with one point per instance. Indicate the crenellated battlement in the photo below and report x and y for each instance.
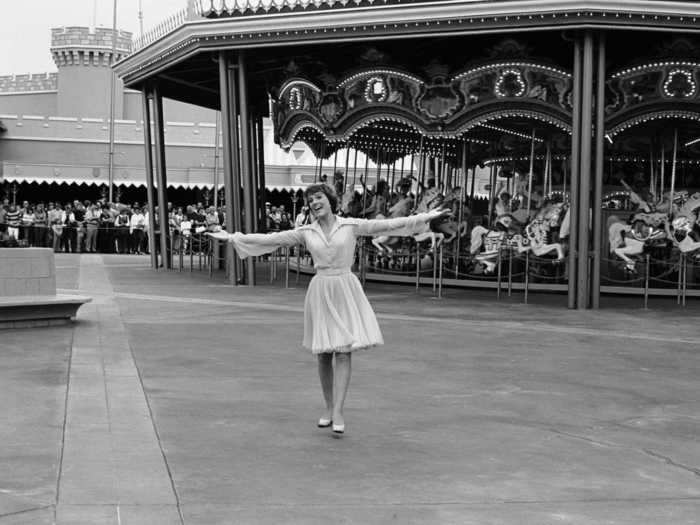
(28, 83)
(89, 47)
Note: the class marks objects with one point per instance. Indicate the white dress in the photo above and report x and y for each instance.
(337, 314)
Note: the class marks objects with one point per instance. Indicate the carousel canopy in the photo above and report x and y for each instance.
(446, 78)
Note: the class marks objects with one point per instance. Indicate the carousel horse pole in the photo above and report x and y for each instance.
(547, 184)
(492, 194)
(347, 164)
(673, 171)
(354, 171)
(529, 175)
(335, 163)
(468, 147)
(662, 170)
(460, 217)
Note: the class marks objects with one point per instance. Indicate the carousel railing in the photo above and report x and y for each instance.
(444, 266)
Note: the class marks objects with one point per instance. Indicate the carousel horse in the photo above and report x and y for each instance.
(628, 240)
(539, 231)
(385, 244)
(684, 229)
(487, 244)
(540, 236)
(351, 204)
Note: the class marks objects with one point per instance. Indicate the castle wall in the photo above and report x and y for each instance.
(84, 92)
(28, 103)
(174, 111)
(70, 150)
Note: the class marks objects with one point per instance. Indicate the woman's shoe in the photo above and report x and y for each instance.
(324, 422)
(339, 429)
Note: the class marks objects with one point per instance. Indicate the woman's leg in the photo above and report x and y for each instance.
(341, 380)
(325, 372)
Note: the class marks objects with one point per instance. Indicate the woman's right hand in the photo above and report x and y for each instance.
(221, 235)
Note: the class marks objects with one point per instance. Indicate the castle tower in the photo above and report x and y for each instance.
(84, 59)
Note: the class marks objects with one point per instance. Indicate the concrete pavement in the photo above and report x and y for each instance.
(178, 400)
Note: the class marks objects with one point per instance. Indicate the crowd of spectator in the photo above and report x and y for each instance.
(91, 227)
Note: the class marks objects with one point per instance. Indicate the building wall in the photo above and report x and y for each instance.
(84, 92)
(28, 103)
(64, 149)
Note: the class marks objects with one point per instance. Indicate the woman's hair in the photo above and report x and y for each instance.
(327, 190)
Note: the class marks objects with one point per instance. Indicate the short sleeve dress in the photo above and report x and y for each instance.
(337, 314)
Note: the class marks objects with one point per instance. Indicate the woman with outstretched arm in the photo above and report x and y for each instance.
(338, 318)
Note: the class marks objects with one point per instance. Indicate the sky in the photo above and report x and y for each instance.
(25, 28)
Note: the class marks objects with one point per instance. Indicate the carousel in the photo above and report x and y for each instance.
(563, 136)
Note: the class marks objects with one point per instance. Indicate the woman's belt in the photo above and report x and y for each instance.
(332, 271)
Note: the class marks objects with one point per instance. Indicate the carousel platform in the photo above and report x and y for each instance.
(28, 290)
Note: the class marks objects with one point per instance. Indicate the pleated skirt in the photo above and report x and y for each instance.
(338, 316)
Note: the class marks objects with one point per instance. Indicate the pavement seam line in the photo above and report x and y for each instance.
(671, 462)
(25, 511)
(153, 421)
(65, 426)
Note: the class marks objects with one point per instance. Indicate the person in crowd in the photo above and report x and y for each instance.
(3, 212)
(285, 220)
(302, 217)
(13, 218)
(55, 217)
(92, 225)
(79, 214)
(122, 226)
(137, 224)
(69, 229)
(338, 318)
(40, 232)
(105, 238)
(212, 220)
(27, 224)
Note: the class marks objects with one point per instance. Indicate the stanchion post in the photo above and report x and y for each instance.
(510, 272)
(527, 273)
(498, 278)
(646, 282)
(298, 264)
(440, 275)
(417, 267)
(286, 267)
(680, 279)
(685, 277)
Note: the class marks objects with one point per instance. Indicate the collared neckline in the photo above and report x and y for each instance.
(315, 226)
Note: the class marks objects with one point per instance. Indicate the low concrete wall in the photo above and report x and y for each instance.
(27, 271)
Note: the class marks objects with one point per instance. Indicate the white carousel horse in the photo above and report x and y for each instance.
(684, 229)
(627, 240)
(539, 231)
(384, 243)
(486, 244)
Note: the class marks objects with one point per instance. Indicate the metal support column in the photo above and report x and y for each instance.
(598, 184)
(246, 171)
(162, 178)
(575, 171)
(150, 194)
(230, 170)
(583, 281)
(261, 168)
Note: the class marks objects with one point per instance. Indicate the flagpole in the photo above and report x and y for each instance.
(110, 174)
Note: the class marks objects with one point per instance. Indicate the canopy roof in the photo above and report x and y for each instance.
(391, 77)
